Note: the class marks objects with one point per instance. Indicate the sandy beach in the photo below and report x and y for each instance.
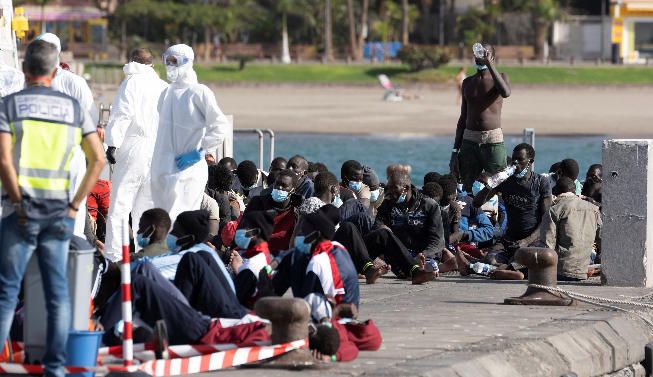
(615, 111)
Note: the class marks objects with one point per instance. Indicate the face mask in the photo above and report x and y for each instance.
(355, 186)
(142, 241)
(481, 67)
(401, 199)
(522, 173)
(337, 202)
(279, 196)
(374, 195)
(242, 240)
(250, 188)
(172, 73)
(477, 187)
(459, 187)
(301, 245)
(171, 241)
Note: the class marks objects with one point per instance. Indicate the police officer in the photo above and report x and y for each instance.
(38, 129)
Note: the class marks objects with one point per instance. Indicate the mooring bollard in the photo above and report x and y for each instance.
(542, 264)
(289, 319)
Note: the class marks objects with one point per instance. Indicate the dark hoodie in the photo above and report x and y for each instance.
(417, 223)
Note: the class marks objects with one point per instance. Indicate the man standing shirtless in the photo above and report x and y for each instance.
(479, 140)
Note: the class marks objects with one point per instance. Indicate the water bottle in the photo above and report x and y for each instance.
(501, 176)
(479, 50)
(482, 268)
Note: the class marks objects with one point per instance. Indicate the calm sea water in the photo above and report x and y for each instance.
(428, 153)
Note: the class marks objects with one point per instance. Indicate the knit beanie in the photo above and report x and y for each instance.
(263, 220)
(324, 220)
(195, 223)
(369, 177)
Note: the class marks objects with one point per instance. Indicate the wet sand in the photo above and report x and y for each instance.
(622, 112)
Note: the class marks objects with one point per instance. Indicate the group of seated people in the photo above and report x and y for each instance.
(299, 228)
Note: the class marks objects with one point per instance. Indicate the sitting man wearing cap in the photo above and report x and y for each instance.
(253, 258)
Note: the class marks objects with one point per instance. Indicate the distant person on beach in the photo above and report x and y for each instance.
(479, 140)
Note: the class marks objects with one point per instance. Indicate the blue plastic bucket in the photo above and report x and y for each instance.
(82, 350)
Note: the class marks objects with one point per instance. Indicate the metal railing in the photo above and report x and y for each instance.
(261, 132)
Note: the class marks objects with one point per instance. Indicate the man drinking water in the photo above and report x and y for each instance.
(479, 140)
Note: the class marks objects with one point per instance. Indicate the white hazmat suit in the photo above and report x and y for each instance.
(191, 123)
(132, 129)
(75, 86)
(11, 81)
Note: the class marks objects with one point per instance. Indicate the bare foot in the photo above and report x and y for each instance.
(462, 262)
(236, 261)
(448, 262)
(450, 265)
(382, 266)
(506, 275)
(372, 274)
(421, 260)
(420, 276)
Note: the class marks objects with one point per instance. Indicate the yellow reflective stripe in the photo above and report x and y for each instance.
(77, 140)
(49, 184)
(44, 145)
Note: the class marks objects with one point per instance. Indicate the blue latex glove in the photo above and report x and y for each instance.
(188, 159)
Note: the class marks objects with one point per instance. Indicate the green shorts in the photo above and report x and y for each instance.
(475, 158)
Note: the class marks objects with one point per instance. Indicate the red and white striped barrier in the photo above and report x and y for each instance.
(126, 293)
(145, 352)
(175, 367)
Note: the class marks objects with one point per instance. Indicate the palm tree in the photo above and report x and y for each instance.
(284, 7)
(544, 13)
(404, 22)
(357, 39)
(328, 31)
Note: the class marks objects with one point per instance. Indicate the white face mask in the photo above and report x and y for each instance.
(172, 73)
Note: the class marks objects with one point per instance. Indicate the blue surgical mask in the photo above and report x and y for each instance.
(241, 239)
(522, 173)
(355, 186)
(141, 240)
(171, 241)
(337, 202)
(401, 199)
(280, 196)
(250, 188)
(301, 245)
(374, 195)
(481, 67)
(477, 187)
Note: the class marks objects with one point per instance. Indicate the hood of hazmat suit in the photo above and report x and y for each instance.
(132, 128)
(75, 86)
(189, 120)
(11, 80)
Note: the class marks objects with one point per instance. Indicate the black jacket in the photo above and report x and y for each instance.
(418, 223)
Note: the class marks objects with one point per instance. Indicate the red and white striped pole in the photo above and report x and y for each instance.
(126, 291)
